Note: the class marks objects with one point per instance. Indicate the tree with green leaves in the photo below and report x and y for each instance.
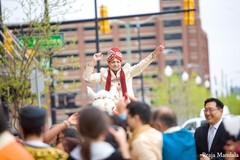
(233, 103)
(24, 49)
(186, 98)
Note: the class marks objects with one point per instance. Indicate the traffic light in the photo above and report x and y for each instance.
(8, 42)
(189, 16)
(104, 24)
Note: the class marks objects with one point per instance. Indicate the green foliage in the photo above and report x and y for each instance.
(24, 55)
(232, 102)
(186, 98)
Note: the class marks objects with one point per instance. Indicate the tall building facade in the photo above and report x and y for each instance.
(186, 49)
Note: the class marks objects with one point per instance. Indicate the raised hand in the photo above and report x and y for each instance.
(121, 106)
(158, 50)
(97, 56)
(73, 119)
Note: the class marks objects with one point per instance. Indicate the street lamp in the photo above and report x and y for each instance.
(207, 84)
(185, 76)
(168, 72)
(198, 80)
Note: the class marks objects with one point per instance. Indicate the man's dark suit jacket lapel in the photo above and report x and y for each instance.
(205, 136)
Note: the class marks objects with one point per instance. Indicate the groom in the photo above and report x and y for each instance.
(117, 77)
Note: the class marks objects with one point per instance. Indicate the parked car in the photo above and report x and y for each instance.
(193, 123)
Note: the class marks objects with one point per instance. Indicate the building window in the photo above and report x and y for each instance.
(173, 36)
(68, 30)
(148, 50)
(67, 100)
(145, 25)
(171, 8)
(69, 81)
(178, 48)
(68, 68)
(135, 25)
(66, 55)
(71, 42)
(101, 40)
(141, 37)
(174, 62)
(154, 76)
(89, 28)
(137, 77)
(172, 23)
(102, 65)
(142, 51)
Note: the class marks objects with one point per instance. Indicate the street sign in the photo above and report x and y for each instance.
(53, 41)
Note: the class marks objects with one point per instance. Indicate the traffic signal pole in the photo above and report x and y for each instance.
(1, 21)
(96, 33)
(52, 95)
(52, 89)
(18, 26)
(97, 38)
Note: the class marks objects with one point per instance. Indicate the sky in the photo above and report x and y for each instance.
(220, 19)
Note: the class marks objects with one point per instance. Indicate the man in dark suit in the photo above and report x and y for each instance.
(211, 137)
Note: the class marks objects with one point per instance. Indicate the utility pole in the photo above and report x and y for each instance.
(52, 94)
(1, 22)
(96, 33)
(97, 39)
(52, 97)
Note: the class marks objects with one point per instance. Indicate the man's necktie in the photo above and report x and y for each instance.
(210, 136)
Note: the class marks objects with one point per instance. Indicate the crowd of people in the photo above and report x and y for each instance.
(137, 132)
(134, 131)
